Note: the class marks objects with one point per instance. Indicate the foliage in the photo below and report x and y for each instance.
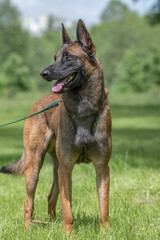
(153, 15)
(121, 35)
(9, 15)
(139, 71)
(29, 52)
(114, 38)
(12, 37)
(15, 75)
(115, 10)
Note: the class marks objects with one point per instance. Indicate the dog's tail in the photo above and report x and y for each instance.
(16, 168)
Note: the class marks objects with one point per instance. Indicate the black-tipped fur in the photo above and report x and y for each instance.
(16, 168)
(5, 170)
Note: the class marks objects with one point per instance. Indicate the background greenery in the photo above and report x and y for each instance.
(128, 47)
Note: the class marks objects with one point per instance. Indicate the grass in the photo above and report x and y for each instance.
(135, 175)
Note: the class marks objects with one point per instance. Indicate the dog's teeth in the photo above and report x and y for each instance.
(70, 77)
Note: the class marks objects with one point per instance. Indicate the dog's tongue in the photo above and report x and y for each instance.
(58, 86)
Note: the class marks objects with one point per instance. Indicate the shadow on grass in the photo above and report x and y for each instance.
(83, 221)
(134, 111)
(137, 147)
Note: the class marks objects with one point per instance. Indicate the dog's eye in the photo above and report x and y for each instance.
(65, 54)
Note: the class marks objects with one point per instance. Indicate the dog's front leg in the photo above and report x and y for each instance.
(65, 187)
(103, 181)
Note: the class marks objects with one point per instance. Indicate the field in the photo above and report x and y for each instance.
(135, 176)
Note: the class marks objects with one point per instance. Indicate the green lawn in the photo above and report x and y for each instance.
(135, 176)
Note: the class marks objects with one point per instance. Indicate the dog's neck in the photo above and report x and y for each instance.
(84, 106)
(88, 100)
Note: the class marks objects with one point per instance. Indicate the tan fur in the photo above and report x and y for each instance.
(54, 132)
(44, 133)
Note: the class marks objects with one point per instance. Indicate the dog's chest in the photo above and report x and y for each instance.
(90, 141)
(91, 137)
(84, 130)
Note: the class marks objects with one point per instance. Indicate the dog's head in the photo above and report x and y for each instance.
(73, 62)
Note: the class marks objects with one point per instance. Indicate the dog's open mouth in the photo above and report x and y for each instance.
(57, 87)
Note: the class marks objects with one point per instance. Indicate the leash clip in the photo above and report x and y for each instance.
(54, 104)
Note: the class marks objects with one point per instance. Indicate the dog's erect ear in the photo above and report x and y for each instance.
(65, 37)
(85, 39)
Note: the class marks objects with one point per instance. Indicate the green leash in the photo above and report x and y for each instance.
(50, 106)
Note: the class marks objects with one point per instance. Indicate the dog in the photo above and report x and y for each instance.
(77, 131)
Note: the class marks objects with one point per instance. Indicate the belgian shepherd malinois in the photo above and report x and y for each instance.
(77, 131)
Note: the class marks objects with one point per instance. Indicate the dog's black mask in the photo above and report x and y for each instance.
(68, 68)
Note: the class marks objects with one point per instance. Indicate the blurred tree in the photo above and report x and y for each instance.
(116, 33)
(29, 52)
(54, 23)
(113, 38)
(12, 37)
(15, 75)
(123, 40)
(14, 49)
(115, 10)
(9, 15)
(139, 70)
(154, 13)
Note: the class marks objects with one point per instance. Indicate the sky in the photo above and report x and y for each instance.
(88, 10)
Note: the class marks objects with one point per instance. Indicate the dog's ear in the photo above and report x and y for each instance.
(65, 37)
(85, 39)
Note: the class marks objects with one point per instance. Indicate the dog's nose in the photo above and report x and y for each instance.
(45, 73)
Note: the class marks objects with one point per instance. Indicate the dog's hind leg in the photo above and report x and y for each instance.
(33, 163)
(54, 192)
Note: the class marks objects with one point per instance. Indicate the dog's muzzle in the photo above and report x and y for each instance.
(45, 73)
